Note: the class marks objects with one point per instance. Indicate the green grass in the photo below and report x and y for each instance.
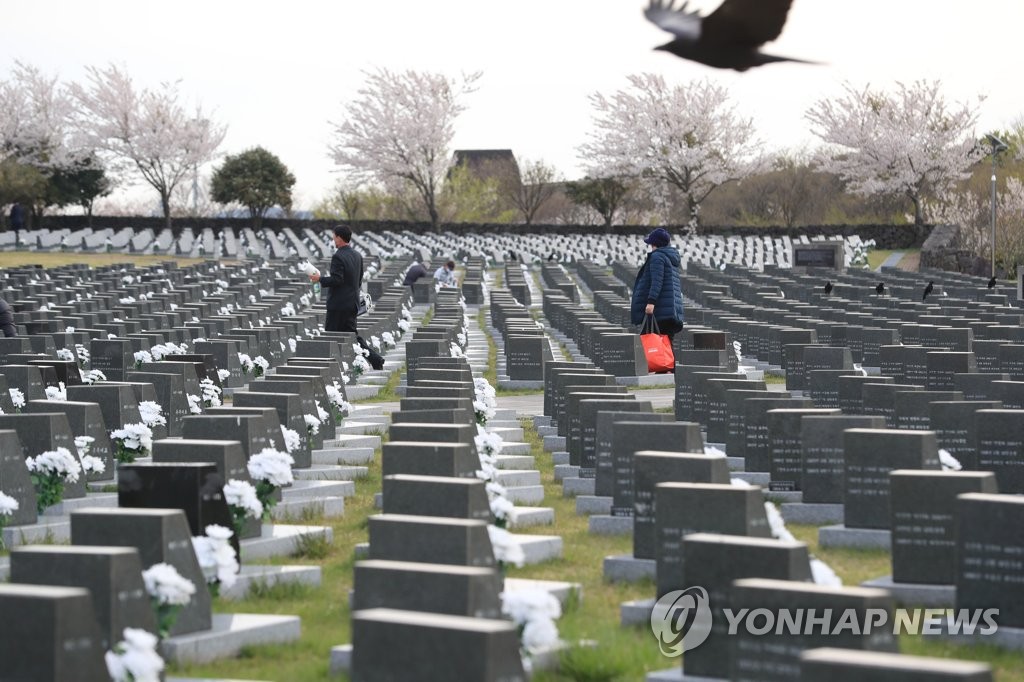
(56, 259)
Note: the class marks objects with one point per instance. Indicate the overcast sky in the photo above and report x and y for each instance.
(277, 73)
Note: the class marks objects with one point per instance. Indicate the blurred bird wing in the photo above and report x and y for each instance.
(749, 23)
(684, 25)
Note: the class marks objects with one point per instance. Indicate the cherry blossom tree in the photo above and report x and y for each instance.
(687, 136)
(909, 142)
(150, 131)
(400, 127)
(36, 121)
(530, 188)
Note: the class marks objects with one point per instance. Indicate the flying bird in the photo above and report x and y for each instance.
(992, 283)
(828, 288)
(728, 38)
(928, 289)
(880, 289)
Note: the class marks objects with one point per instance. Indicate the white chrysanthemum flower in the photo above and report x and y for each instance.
(65, 355)
(59, 462)
(167, 586)
(83, 444)
(242, 494)
(152, 413)
(17, 397)
(93, 465)
(194, 404)
(136, 437)
(217, 558)
(272, 466)
(223, 375)
(92, 376)
(135, 659)
(323, 414)
(948, 461)
(292, 439)
(8, 505)
(59, 392)
(506, 549)
(261, 362)
(312, 423)
(211, 393)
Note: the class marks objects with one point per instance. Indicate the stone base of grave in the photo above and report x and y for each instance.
(753, 477)
(625, 568)
(360, 428)
(313, 489)
(564, 471)
(525, 495)
(1011, 639)
(5, 568)
(361, 551)
(229, 635)
(514, 462)
(516, 449)
(606, 524)
(65, 507)
(282, 540)
(541, 420)
(363, 392)
(378, 500)
(812, 514)
(667, 379)
(49, 530)
(343, 456)
(269, 576)
(545, 431)
(637, 612)
(204, 679)
(533, 516)
(676, 674)
(562, 591)
(299, 508)
(519, 384)
(915, 594)
(571, 487)
(593, 504)
(854, 538)
(736, 463)
(341, 660)
(509, 434)
(517, 478)
(539, 548)
(554, 443)
(559, 458)
(352, 441)
(330, 472)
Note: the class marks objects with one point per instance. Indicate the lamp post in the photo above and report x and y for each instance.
(997, 147)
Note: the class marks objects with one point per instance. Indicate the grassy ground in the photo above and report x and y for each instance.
(13, 259)
(877, 256)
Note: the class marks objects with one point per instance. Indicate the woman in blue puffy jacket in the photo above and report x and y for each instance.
(656, 290)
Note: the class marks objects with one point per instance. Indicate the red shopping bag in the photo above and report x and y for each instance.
(657, 348)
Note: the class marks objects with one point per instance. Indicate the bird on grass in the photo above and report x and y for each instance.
(880, 289)
(828, 287)
(992, 283)
(928, 289)
(728, 38)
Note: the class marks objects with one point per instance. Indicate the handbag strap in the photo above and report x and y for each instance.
(650, 325)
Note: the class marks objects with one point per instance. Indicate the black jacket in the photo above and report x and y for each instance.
(344, 281)
(415, 272)
(7, 319)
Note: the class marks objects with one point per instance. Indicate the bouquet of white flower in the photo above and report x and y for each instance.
(152, 414)
(142, 357)
(195, 403)
(92, 376)
(246, 362)
(49, 472)
(389, 340)
(83, 355)
(83, 444)
(216, 557)
(223, 375)
(271, 469)
(312, 424)
(18, 398)
(65, 355)
(360, 366)
(341, 407)
(58, 392)
(131, 441)
(292, 439)
(243, 502)
(506, 549)
(211, 393)
(168, 593)
(260, 366)
(8, 505)
(135, 659)
(484, 401)
(534, 611)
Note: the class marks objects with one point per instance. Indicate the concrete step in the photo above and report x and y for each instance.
(349, 440)
(508, 448)
(533, 516)
(297, 509)
(359, 428)
(230, 634)
(49, 530)
(343, 456)
(327, 472)
(518, 477)
(319, 488)
(510, 434)
(525, 495)
(90, 500)
(268, 576)
(514, 461)
(539, 548)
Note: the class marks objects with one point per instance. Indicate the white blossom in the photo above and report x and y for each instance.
(142, 357)
(8, 505)
(307, 268)
(93, 465)
(242, 494)
(17, 397)
(211, 392)
(506, 549)
(272, 466)
(194, 403)
(152, 413)
(948, 461)
(83, 444)
(138, 437)
(292, 439)
(312, 423)
(65, 355)
(59, 462)
(217, 558)
(260, 361)
(167, 586)
(92, 376)
(58, 392)
(135, 659)
(246, 362)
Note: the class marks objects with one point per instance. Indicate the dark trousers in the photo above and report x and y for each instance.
(340, 321)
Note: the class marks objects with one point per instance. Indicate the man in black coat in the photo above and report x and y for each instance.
(417, 271)
(342, 283)
(7, 319)
(17, 221)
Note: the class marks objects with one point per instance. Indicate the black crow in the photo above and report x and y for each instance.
(928, 289)
(728, 38)
(828, 288)
(992, 283)
(880, 289)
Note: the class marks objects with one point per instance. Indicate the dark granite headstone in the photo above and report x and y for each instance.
(630, 437)
(955, 427)
(170, 395)
(113, 357)
(116, 401)
(923, 522)
(431, 588)
(785, 442)
(845, 665)
(607, 425)
(160, 536)
(429, 459)
(757, 452)
(289, 411)
(989, 548)
(652, 468)
(686, 508)
(39, 433)
(870, 455)
(14, 479)
(431, 540)
(459, 498)
(1000, 438)
(913, 408)
(824, 464)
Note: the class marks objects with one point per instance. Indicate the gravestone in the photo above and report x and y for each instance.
(50, 633)
(113, 357)
(39, 433)
(846, 665)
(913, 408)
(430, 540)
(652, 468)
(714, 562)
(631, 437)
(289, 411)
(584, 445)
(85, 419)
(430, 588)
(15, 481)
(458, 460)
(117, 403)
(248, 429)
(757, 452)
(923, 522)
(851, 391)
(785, 442)
(170, 395)
(775, 656)
(989, 548)
(608, 423)
(955, 427)
(1000, 438)
(160, 536)
(824, 464)
(112, 574)
(687, 508)
(525, 357)
(27, 378)
(459, 498)
(870, 455)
